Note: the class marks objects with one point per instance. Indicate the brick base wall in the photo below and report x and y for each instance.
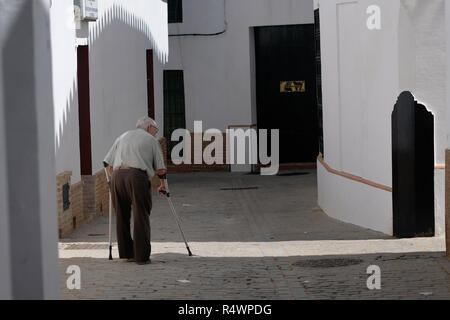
(65, 216)
(88, 199)
(101, 193)
(76, 204)
(203, 167)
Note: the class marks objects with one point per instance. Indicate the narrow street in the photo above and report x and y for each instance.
(254, 237)
(346, 103)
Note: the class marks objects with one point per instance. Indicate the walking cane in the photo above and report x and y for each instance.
(110, 212)
(177, 219)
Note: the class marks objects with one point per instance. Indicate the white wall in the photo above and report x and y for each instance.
(427, 19)
(425, 22)
(363, 72)
(65, 91)
(45, 166)
(360, 87)
(118, 74)
(118, 78)
(353, 202)
(201, 17)
(5, 263)
(217, 69)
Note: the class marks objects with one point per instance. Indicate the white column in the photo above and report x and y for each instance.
(447, 168)
(5, 270)
(28, 215)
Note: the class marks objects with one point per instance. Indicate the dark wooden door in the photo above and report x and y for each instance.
(412, 168)
(84, 113)
(174, 106)
(150, 85)
(286, 88)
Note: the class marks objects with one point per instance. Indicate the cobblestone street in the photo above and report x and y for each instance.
(267, 241)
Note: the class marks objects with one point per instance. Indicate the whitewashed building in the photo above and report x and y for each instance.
(118, 41)
(229, 60)
(65, 96)
(371, 52)
(107, 72)
(218, 72)
(328, 73)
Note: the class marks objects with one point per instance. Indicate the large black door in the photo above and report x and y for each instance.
(286, 88)
(412, 168)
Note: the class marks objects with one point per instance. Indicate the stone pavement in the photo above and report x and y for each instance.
(267, 241)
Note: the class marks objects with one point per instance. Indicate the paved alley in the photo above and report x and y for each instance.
(254, 237)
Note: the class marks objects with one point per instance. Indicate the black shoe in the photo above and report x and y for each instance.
(144, 262)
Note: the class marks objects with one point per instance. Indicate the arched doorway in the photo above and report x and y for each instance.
(412, 168)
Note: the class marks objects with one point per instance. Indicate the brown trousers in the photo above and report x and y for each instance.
(131, 190)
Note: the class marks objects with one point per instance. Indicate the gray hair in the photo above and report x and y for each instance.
(145, 122)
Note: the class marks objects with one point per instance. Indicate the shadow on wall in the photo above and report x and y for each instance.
(118, 13)
(67, 127)
(118, 19)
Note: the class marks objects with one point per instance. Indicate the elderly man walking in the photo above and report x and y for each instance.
(132, 161)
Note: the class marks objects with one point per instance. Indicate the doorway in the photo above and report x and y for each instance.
(286, 88)
(150, 85)
(412, 168)
(84, 110)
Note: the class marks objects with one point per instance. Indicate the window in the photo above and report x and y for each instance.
(175, 11)
(174, 108)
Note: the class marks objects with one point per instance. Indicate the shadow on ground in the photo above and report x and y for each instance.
(177, 276)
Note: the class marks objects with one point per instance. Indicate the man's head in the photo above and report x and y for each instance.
(148, 124)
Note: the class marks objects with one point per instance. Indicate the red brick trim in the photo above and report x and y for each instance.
(353, 177)
(203, 167)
